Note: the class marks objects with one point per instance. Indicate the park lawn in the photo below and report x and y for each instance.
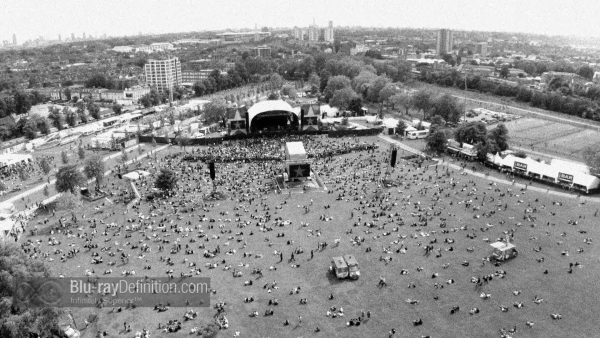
(564, 293)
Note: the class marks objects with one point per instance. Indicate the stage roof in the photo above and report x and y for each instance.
(269, 105)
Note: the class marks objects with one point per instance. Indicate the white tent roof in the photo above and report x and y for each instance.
(10, 159)
(565, 166)
(390, 122)
(136, 175)
(7, 208)
(588, 181)
(295, 151)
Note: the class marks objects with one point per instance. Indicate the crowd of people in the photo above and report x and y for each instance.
(271, 149)
(282, 237)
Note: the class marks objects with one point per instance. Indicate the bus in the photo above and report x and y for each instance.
(416, 134)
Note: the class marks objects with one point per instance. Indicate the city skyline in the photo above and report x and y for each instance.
(30, 19)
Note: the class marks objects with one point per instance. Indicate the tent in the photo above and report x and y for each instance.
(6, 223)
(570, 166)
(136, 175)
(7, 160)
(294, 151)
(585, 181)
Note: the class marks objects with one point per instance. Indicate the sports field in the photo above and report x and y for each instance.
(554, 138)
(427, 208)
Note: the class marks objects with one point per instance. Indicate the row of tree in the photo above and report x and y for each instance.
(474, 133)
(562, 96)
(20, 102)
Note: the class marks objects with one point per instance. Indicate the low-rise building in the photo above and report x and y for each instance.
(261, 51)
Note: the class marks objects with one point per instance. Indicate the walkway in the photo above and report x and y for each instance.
(492, 178)
(30, 210)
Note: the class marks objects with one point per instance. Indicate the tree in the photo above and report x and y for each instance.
(45, 165)
(117, 108)
(94, 110)
(591, 155)
(166, 180)
(504, 71)
(56, 117)
(22, 102)
(471, 133)
(67, 93)
(437, 141)
(355, 106)
(447, 107)
(70, 117)
(68, 178)
(23, 176)
(34, 124)
(30, 129)
(314, 80)
(436, 123)
(375, 54)
(276, 81)
(215, 111)
(586, 72)
(81, 152)
(342, 98)
(289, 91)
(375, 88)
(98, 81)
(336, 83)
(64, 156)
(94, 169)
(403, 100)
(124, 156)
(387, 92)
(199, 88)
(19, 319)
(499, 136)
(401, 128)
(422, 101)
(5, 132)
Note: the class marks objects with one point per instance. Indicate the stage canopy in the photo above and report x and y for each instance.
(277, 107)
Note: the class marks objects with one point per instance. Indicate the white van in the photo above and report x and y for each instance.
(417, 134)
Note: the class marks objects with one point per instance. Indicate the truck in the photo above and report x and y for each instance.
(339, 267)
(354, 272)
(503, 251)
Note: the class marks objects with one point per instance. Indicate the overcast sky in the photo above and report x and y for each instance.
(48, 18)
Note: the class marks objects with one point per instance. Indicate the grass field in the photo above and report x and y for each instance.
(413, 202)
(552, 137)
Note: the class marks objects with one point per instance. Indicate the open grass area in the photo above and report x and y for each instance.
(427, 206)
(552, 137)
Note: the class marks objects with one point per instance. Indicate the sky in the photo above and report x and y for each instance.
(29, 19)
